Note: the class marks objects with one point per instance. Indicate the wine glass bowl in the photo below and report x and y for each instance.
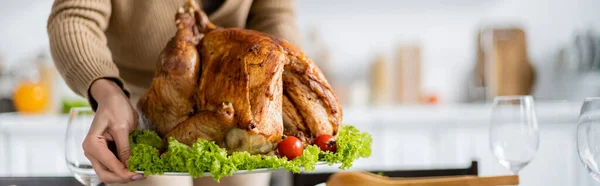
(79, 122)
(514, 133)
(588, 136)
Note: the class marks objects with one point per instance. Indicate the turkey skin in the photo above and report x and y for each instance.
(240, 88)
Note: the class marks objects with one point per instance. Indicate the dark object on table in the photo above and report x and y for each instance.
(6, 105)
(35, 181)
(313, 179)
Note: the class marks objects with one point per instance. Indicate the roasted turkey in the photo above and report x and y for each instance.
(241, 88)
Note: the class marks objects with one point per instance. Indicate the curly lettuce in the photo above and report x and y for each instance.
(206, 157)
(145, 157)
(351, 145)
(145, 137)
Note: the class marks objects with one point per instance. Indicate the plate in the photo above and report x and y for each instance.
(207, 174)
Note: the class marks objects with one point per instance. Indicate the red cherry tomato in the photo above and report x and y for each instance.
(326, 142)
(290, 147)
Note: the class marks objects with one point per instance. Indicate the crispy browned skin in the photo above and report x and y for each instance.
(310, 107)
(169, 101)
(252, 88)
(241, 68)
(205, 124)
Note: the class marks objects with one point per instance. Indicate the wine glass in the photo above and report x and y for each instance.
(588, 136)
(80, 120)
(514, 134)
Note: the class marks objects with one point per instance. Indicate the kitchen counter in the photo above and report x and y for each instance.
(388, 116)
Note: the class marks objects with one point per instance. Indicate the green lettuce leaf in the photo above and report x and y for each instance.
(207, 157)
(146, 158)
(245, 161)
(145, 137)
(352, 144)
(177, 156)
(308, 159)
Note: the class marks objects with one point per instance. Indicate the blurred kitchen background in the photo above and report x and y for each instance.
(425, 68)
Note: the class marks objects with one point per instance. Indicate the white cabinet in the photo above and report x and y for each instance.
(32, 145)
(403, 138)
(422, 137)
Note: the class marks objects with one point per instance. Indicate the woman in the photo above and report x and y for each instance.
(106, 51)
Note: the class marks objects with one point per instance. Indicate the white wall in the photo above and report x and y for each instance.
(356, 30)
(23, 37)
(23, 29)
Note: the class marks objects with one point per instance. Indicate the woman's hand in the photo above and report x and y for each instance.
(115, 118)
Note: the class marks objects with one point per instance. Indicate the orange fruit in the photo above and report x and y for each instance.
(432, 100)
(31, 97)
(429, 99)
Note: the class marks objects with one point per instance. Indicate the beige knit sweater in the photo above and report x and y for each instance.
(121, 39)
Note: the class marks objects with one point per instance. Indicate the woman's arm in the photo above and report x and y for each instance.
(275, 17)
(79, 46)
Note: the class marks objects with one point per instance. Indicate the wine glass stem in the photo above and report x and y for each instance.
(91, 181)
(88, 181)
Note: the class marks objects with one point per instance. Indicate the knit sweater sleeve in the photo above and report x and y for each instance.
(274, 17)
(79, 46)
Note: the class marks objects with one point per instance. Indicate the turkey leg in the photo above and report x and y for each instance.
(169, 101)
(207, 125)
(310, 107)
